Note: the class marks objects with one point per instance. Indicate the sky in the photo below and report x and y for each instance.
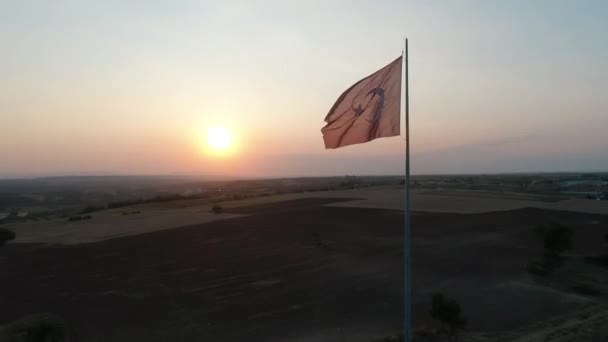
(131, 87)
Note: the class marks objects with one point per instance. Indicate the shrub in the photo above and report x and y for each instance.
(217, 209)
(79, 218)
(448, 312)
(545, 265)
(586, 289)
(601, 260)
(392, 338)
(91, 209)
(557, 239)
(35, 328)
(6, 235)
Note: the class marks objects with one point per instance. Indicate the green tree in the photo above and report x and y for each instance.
(217, 209)
(6, 235)
(557, 239)
(448, 312)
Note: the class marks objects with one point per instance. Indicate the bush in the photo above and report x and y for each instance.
(545, 265)
(556, 238)
(6, 235)
(601, 260)
(586, 289)
(79, 218)
(36, 328)
(91, 209)
(392, 338)
(217, 209)
(448, 312)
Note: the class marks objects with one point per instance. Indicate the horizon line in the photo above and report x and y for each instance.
(230, 177)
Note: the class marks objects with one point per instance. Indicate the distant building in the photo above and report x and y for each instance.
(4, 215)
(22, 214)
(587, 182)
(582, 194)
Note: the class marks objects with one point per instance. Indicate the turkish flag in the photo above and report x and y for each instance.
(367, 110)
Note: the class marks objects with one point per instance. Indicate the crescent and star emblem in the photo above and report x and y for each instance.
(374, 92)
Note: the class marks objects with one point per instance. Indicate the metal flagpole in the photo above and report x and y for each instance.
(407, 336)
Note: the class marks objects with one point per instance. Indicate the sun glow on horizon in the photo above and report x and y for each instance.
(219, 140)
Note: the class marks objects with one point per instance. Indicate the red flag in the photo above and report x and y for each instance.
(367, 110)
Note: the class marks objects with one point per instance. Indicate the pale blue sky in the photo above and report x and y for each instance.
(131, 86)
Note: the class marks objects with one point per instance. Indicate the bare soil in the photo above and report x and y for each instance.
(291, 271)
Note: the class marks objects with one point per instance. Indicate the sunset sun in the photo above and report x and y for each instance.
(219, 139)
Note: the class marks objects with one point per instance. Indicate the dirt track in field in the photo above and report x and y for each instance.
(290, 271)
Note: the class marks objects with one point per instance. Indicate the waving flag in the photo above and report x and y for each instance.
(367, 110)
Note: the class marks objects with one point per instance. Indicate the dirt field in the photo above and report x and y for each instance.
(110, 224)
(465, 202)
(291, 271)
(152, 217)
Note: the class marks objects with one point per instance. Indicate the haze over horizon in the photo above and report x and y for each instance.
(114, 88)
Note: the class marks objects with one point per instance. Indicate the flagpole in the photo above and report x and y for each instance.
(407, 336)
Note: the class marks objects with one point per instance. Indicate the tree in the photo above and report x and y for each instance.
(448, 312)
(557, 239)
(217, 209)
(6, 235)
